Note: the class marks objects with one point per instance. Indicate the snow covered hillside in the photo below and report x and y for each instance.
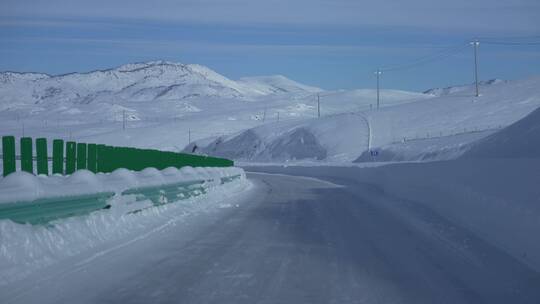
(440, 127)
(334, 138)
(444, 127)
(165, 105)
(174, 106)
(498, 105)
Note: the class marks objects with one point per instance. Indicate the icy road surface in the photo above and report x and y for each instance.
(295, 240)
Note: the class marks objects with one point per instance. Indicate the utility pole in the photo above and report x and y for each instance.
(378, 73)
(123, 119)
(475, 44)
(189, 136)
(318, 106)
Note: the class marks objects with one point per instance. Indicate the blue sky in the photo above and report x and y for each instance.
(327, 43)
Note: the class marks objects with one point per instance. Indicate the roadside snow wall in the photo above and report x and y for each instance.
(26, 248)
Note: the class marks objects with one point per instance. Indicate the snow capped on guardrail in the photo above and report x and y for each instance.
(23, 187)
(26, 248)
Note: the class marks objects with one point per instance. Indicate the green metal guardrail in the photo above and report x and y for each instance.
(169, 193)
(96, 158)
(43, 211)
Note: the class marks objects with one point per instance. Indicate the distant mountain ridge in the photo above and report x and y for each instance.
(146, 81)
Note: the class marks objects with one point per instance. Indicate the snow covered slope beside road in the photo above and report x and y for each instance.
(435, 128)
(500, 104)
(519, 140)
(425, 149)
(330, 138)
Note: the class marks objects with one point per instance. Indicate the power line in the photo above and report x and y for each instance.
(448, 52)
(509, 37)
(451, 51)
(510, 43)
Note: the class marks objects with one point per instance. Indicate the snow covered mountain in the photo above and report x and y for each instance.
(158, 80)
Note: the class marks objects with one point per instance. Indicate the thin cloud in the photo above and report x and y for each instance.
(460, 15)
(209, 47)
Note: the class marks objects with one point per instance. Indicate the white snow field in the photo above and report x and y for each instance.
(25, 248)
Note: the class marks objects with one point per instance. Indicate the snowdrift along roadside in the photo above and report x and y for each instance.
(25, 248)
(332, 138)
(23, 187)
(519, 140)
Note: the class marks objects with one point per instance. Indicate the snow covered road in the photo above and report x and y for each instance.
(295, 240)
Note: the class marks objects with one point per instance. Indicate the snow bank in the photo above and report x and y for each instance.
(23, 187)
(425, 149)
(519, 140)
(27, 248)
